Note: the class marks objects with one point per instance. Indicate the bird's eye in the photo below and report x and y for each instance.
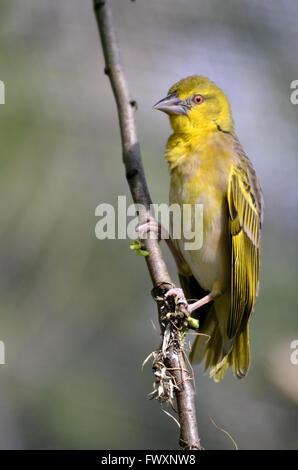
(198, 99)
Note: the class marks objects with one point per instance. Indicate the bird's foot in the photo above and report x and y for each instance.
(156, 230)
(152, 229)
(177, 302)
(178, 296)
(179, 306)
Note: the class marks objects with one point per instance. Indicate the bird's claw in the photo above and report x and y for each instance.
(152, 229)
(176, 300)
(181, 314)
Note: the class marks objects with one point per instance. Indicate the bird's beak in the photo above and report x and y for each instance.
(172, 104)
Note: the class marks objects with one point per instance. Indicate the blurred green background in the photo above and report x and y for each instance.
(76, 313)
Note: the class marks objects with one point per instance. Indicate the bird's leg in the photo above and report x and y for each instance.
(199, 303)
(180, 263)
(152, 226)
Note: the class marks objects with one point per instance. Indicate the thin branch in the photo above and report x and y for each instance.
(169, 360)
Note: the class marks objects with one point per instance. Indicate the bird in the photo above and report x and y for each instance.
(208, 166)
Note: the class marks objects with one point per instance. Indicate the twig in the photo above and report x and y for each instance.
(225, 432)
(172, 349)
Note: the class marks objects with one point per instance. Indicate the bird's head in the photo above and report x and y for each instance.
(195, 103)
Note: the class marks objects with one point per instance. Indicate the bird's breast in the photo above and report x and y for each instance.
(203, 179)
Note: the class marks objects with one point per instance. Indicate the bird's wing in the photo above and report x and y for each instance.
(245, 203)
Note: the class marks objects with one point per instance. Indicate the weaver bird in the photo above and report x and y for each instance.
(208, 166)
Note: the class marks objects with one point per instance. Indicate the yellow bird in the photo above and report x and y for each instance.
(208, 166)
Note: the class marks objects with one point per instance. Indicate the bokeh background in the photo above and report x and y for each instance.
(76, 314)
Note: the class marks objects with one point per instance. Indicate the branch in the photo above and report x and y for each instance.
(169, 365)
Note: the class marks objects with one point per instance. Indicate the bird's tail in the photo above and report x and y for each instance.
(221, 352)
